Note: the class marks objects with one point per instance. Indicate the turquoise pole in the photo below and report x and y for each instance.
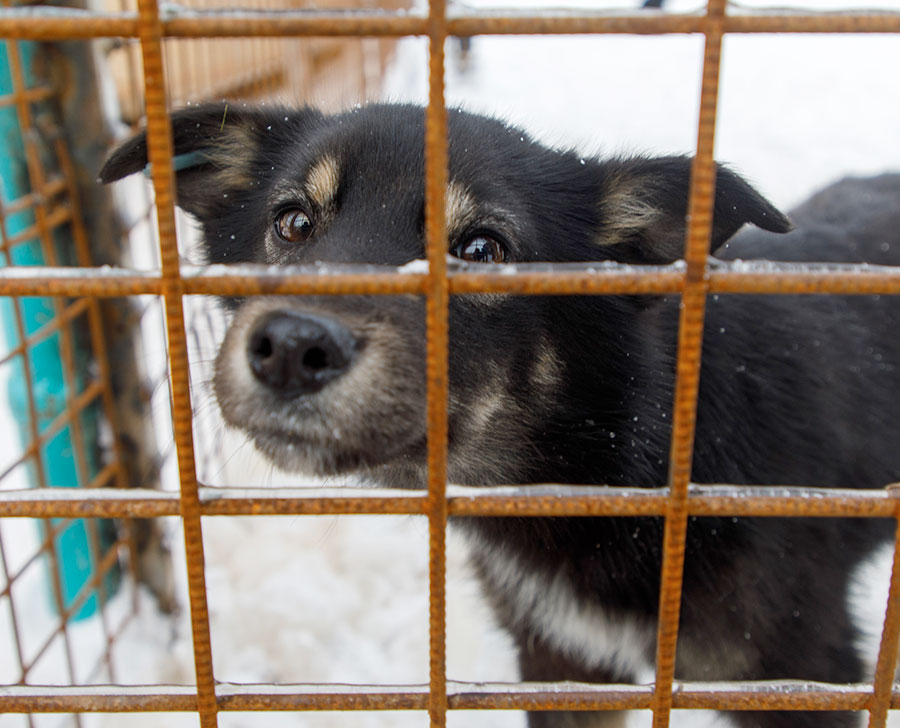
(48, 384)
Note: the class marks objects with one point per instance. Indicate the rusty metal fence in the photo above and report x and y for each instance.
(693, 281)
(42, 220)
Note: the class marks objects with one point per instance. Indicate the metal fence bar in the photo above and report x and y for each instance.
(437, 345)
(687, 371)
(159, 150)
(525, 501)
(760, 277)
(791, 695)
(58, 24)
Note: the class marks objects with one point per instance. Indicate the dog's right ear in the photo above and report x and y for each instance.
(217, 147)
(644, 205)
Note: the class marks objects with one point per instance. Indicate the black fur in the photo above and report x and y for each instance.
(794, 390)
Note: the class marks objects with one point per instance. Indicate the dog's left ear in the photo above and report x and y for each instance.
(644, 204)
(217, 148)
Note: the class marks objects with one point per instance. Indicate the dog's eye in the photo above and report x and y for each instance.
(481, 249)
(293, 225)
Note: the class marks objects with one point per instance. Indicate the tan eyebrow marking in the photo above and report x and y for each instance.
(461, 208)
(322, 181)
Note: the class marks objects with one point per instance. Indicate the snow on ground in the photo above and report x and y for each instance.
(344, 599)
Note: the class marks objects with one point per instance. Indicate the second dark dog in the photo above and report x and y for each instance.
(794, 390)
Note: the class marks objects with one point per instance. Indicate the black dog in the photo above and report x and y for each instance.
(794, 390)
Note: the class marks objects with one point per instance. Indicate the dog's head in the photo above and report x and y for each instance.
(334, 384)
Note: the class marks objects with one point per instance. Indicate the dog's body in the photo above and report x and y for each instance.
(794, 390)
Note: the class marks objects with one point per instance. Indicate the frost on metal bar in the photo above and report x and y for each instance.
(769, 695)
(759, 276)
(54, 12)
(172, 10)
(766, 276)
(106, 281)
(47, 23)
(545, 499)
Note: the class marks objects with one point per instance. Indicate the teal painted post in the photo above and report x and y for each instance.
(48, 383)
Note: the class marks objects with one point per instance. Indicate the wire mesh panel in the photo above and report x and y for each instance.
(694, 281)
(56, 572)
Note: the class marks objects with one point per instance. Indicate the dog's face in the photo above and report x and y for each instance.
(329, 385)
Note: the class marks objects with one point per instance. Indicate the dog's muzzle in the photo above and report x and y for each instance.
(293, 353)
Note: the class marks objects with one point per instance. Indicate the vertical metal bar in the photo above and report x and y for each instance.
(890, 639)
(159, 146)
(436, 310)
(690, 341)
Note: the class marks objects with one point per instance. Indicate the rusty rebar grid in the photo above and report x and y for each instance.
(159, 153)
(676, 503)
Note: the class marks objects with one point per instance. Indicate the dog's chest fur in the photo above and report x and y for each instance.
(542, 601)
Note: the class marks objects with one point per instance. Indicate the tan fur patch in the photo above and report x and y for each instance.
(235, 153)
(461, 208)
(546, 369)
(323, 180)
(624, 213)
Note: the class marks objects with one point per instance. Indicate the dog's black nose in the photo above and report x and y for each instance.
(298, 353)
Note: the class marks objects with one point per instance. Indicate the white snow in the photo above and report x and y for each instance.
(415, 266)
(344, 599)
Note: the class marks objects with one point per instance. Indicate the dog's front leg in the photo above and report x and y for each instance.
(540, 663)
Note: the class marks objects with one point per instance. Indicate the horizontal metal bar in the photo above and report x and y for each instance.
(53, 23)
(565, 22)
(766, 277)
(292, 23)
(528, 500)
(724, 500)
(88, 503)
(96, 699)
(50, 23)
(774, 695)
(318, 279)
(104, 281)
(571, 23)
(871, 21)
(568, 279)
(751, 277)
